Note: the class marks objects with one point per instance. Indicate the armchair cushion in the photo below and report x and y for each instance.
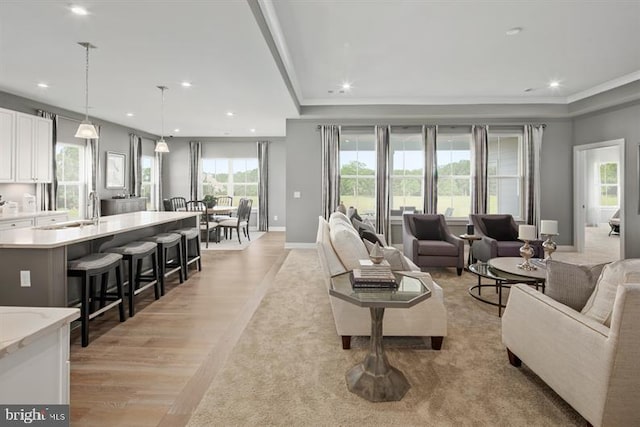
(427, 228)
(437, 248)
(600, 303)
(500, 228)
(571, 284)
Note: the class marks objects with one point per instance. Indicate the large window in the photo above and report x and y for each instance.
(504, 174)
(70, 174)
(406, 169)
(608, 174)
(233, 177)
(454, 174)
(358, 170)
(147, 186)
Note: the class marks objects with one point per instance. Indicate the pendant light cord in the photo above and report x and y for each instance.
(162, 89)
(86, 88)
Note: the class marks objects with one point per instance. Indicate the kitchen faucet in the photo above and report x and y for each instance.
(94, 204)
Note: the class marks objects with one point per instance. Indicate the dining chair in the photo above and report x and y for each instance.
(178, 203)
(240, 221)
(206, 225)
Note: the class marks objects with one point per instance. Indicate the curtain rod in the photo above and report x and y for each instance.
(544, 125)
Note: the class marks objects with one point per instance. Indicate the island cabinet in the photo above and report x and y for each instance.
(34, 260)
(120, 206)
(34, 355)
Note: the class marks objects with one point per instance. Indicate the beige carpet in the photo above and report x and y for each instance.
(288, 367)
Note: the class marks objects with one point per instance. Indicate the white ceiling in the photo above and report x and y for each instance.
(393, 52)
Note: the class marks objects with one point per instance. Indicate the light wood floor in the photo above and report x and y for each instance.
(154, 368)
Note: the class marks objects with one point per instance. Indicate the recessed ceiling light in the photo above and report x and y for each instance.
(176, 130)
(230, 113)
(513, 31)
(252, 130)
(79, 10)
(43, 85)
(129, 114)
(554, 84)
(346, 85)
(186, 84)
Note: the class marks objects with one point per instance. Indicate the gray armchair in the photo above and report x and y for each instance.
(499, 234)
(429, 243)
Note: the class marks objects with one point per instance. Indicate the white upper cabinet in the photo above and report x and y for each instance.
(33, 148)
(7, 145)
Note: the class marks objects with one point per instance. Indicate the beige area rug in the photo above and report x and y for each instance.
(288, 367)
(232, 244)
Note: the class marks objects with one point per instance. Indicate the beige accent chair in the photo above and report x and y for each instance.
(595, 368)
(428, 318)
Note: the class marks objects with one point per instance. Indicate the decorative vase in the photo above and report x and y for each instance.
(377, 254)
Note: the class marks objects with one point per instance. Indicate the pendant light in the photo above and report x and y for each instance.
(161, 146)
(86, 129)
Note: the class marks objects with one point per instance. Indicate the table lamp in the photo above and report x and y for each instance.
(548, 228)
(526, 233)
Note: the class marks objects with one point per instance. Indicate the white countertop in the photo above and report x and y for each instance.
(21, 215)
(112, 224)
(20, 326)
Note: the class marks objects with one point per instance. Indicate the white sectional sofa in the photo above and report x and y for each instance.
(428, 318)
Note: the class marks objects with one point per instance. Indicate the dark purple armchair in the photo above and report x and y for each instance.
(499, 234)
(428, 242)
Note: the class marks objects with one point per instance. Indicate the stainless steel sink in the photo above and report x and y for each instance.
(69, 224)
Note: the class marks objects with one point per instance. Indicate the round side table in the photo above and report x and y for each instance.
(470, 238)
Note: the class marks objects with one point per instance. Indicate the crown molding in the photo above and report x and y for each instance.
(603, 87)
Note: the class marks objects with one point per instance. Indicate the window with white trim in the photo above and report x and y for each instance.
(147, 186)
(70, 174)
(358, 170)
(454, 174)
(237, 178)
(505, 174)
(608, 174)
(406, 169)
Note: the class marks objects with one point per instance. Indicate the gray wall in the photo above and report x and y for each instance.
(176, 170)
(304, 166)
(113, 137)
(615, 123)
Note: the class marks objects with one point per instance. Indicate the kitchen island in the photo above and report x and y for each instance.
(33, 260)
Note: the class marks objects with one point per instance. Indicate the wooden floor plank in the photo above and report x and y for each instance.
(154, 368)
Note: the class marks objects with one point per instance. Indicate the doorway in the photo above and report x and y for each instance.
(598, 184)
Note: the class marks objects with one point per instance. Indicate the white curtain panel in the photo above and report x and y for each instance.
(135, 165)
(263, 185)
(195, 169)
(46, 193)
(382, 181)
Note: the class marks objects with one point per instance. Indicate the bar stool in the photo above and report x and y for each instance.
(88, 268)
(166, 241)
(190, 235)
(135, 253)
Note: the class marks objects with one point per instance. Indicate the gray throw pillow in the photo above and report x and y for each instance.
(571, 284)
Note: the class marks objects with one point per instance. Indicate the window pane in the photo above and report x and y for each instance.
(407, 170)
(454, 174)
(504, 173)
(70, 175)
(357, 171)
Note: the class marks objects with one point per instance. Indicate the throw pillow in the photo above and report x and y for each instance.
(500, 229)
(341, 208)
(361, 225)
(427, 228)
(571, 284)
(348, 245)
(339, 218)
(353, 213)
(394, 257)
(370, 237)
(600, 303)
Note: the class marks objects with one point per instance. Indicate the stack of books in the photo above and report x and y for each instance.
(371, 275)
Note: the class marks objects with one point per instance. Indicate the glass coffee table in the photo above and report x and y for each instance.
(504, 272)
(375, 379)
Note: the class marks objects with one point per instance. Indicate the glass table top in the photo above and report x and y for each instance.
(410, 291)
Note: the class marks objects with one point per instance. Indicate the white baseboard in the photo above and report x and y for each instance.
(277, 228)
(295, 245)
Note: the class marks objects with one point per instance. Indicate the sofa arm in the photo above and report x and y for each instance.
(409, 242)
(485, 249)
(572, 353)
